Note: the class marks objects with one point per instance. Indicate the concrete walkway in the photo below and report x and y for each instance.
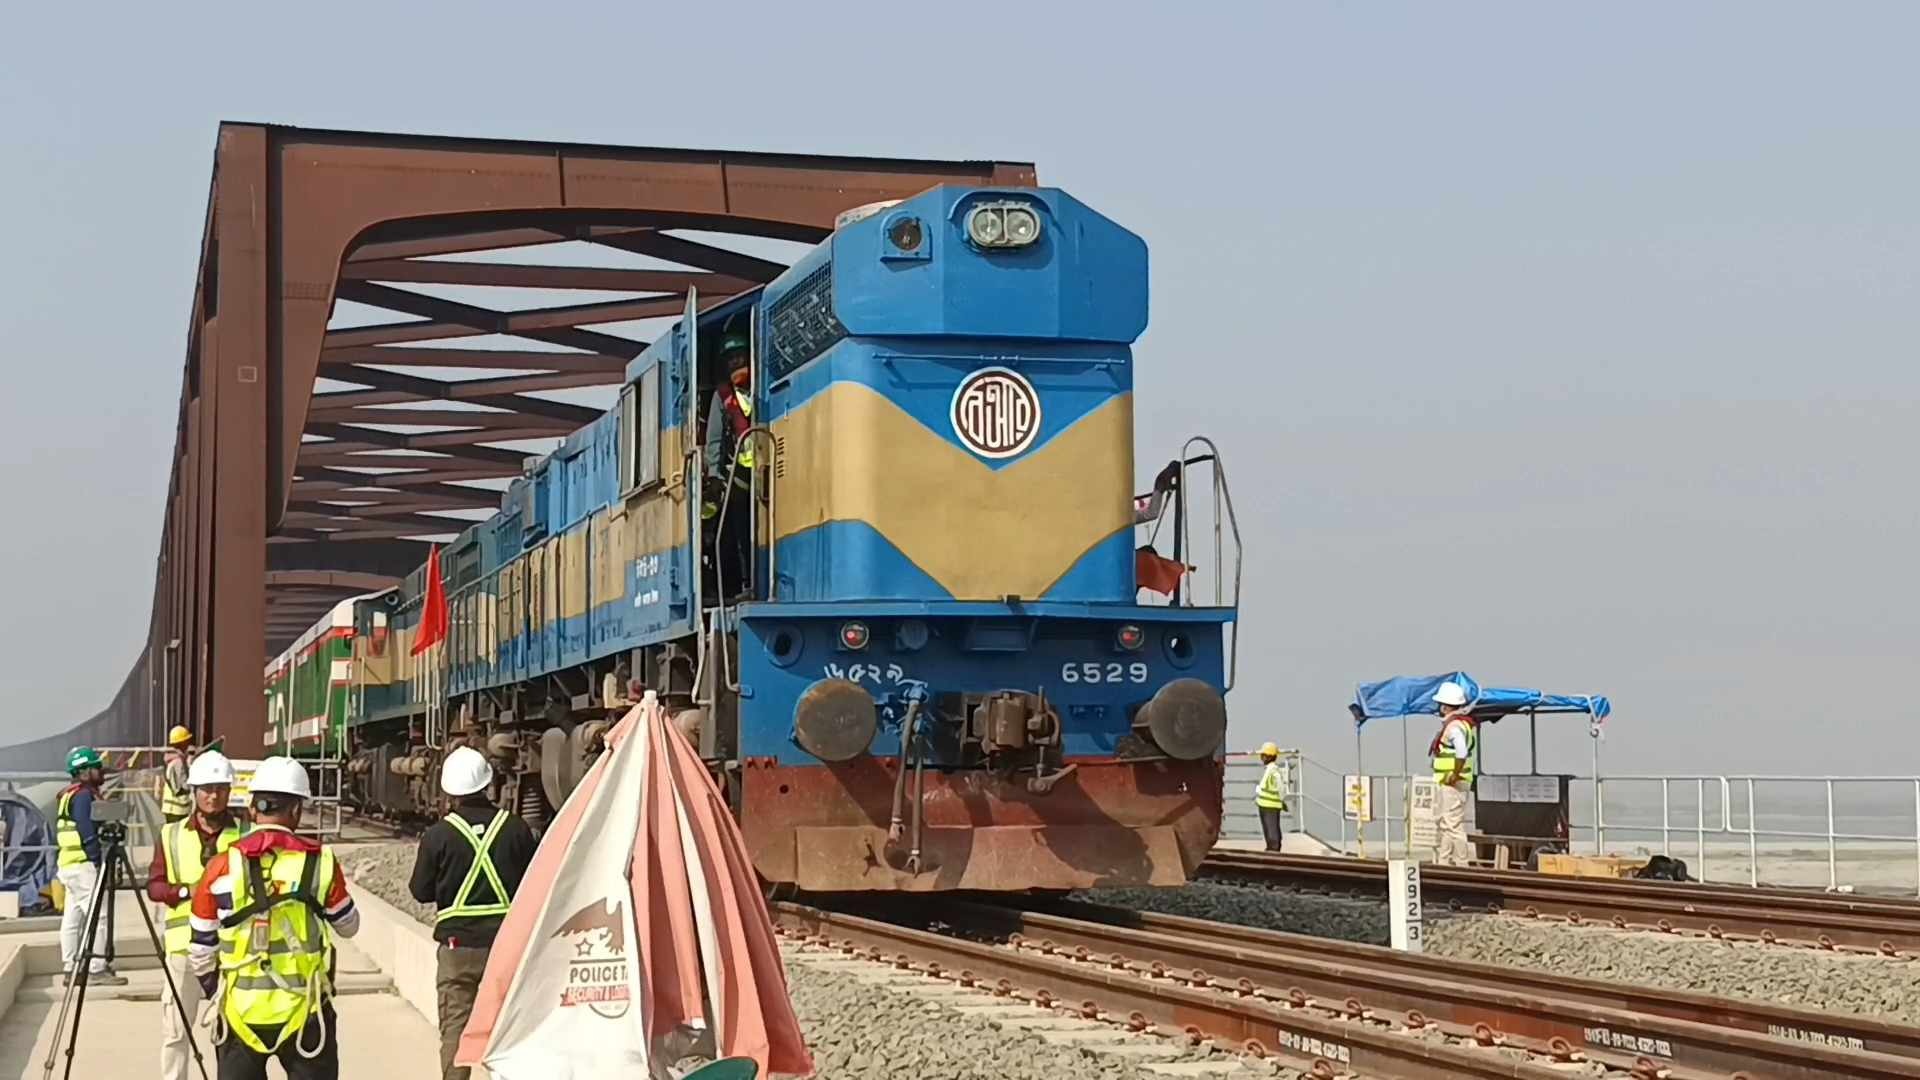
(381, 1035)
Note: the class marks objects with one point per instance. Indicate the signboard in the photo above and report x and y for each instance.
(1359, 797)
(1518, 789)
(1403, 888)
(1423, 825)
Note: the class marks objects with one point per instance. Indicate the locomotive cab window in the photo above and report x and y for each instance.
(640, 431)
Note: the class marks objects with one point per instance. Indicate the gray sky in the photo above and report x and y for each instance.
(1568, 346)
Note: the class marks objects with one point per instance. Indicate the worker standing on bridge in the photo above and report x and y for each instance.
(263, 921)
(179, 859)
(176, 800)
(79, 863)
(728, 419)
(469, 865)
(1270, 797)
(1453, 760)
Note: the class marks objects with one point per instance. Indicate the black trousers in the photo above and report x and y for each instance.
(238, 1061)
(1269, 824)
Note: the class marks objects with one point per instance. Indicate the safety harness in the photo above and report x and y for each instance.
(276, 958)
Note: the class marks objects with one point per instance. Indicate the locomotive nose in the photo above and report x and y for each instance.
(1187, 719)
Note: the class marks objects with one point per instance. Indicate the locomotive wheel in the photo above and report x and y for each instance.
(553, 766)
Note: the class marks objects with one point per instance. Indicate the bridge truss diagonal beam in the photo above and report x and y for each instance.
(299, 221)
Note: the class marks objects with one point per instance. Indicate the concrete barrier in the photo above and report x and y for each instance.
(402, 948)
(13, 971)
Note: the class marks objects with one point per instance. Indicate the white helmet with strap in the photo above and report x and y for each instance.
(281, 776)
(210, 768)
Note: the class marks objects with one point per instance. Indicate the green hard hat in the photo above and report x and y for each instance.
(733, 343)
(83, 757)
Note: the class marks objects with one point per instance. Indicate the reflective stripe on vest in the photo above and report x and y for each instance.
(66, 832)
(1445, 767)
(175, 803)
(482, 864)
(1270, 795)
(280, 980)
(185, 863)
(739, 406)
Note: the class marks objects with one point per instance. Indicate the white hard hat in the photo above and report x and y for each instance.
(281, 776)
(1450, 693)
(211, 767)
(464, 772)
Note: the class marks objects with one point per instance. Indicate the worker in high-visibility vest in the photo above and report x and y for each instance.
(263, 920)
(176, 795)
(78, 864)
(180, 857)
(469, 865)
(1270, 798)
(1453, 752)
(728, 420)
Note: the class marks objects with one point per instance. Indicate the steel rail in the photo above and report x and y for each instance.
(1324, 1046)
(1772, 916)
(1324, 1034)
(1695, 1029)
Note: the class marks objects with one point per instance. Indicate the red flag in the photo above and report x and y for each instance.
(433, 612)
(1151, 571)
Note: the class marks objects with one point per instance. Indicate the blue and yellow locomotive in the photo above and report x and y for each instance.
(936, 673)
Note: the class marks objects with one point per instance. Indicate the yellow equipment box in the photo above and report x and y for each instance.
(1606, 866)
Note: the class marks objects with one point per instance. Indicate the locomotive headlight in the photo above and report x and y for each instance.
(1003, 225)
(1023, 226)
(986, 226)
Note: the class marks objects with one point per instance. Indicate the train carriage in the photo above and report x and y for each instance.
(935, 673)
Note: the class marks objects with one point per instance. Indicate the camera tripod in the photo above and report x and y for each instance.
(116, 872)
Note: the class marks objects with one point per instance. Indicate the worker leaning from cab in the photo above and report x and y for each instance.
(727, 487)
(180, 858)
(469, 865)
(263, 920)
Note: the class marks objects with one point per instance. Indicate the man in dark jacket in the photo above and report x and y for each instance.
(469, 866)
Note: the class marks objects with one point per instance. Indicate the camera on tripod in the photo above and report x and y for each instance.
(110, 819)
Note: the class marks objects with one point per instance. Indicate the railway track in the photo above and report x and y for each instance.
(1337, 1009)
(1774, 916)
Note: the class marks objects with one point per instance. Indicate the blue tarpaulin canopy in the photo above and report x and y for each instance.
(1410, 695)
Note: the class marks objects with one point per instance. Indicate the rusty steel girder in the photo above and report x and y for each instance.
(285, 497)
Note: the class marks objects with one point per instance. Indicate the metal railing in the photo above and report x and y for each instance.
(1841, 833)
(1729, 809)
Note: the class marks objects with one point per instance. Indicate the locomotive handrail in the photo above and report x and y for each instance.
(772, 445)
(1222, 514)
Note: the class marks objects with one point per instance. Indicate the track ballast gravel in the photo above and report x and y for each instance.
(1881, 987)
(857, 1029)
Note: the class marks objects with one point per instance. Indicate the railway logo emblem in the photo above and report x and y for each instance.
(597, 973)
(996, 412)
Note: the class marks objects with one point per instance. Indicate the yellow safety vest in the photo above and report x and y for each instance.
(174, 803)
(1445, 765)
(482, 866)
(185, 852)
(744, 455)
(66, 832)
(276, 952)
(1270, 795)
